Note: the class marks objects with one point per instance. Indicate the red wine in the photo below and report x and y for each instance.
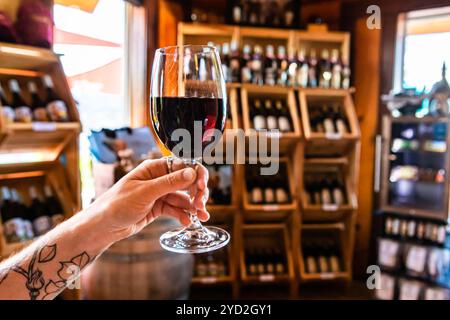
(172, 113)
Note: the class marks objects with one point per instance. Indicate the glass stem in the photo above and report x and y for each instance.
(195, 222)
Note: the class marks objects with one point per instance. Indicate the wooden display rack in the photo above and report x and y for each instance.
(302, 149)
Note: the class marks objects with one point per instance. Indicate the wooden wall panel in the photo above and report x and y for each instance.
(367, 44)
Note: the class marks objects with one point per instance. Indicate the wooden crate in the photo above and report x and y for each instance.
(269, 212)
(263, 235)
(322, 144)
(324, 40)
(230, 258)
(339, 231)
(22, 181)
(317, 212)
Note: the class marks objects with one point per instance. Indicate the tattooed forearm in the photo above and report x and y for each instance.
(37, 284)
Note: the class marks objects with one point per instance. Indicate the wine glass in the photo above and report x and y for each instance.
(188, 113)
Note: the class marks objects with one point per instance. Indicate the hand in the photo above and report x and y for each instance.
(148, 192)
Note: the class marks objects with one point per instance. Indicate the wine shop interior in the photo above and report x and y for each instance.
(351, 96)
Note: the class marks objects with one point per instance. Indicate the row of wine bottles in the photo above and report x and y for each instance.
(219, 184)
(252, 65)
(265, 261)
(270, 189)
(16, 109)
(328, 119)
(22, 222)
(325, 189)
(400, 288)
(274, 115)
(321, 255)
(418, 261)
(264, 13)
(417, 230)
(427, 145)
(211, 265)
(414, 173)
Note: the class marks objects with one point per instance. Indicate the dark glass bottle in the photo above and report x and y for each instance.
(271, 115)
(312, 69)
(336, 69)
(282, 64)
(258, 115)
(37, 105)
(42, 222)
(22, 213)
(302, 69)
(235, 63)
(246, 69)
(7, 109)
(257, 66)
(21, 109)
(54, 206)
(56, 107)
(324, 70)
(13, 230)
(284, 118)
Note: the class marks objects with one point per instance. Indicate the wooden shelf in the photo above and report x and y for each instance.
(263, 235)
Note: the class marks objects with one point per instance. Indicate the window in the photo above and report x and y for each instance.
(92, 44)
(424, 49)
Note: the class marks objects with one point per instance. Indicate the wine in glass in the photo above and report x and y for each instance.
(188, 112)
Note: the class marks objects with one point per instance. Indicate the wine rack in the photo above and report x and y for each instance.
(39, 152)
(302, 151)
(314, 238)
(21, 181)
(259, 237)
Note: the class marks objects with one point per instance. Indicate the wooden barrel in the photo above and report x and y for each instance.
(138, 268)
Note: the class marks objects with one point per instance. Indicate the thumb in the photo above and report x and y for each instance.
(175, 181)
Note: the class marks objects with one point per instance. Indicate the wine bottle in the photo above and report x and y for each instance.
(201, 268)
(255, 11)
(257, 196)
(309, 257)
(325, 194)
(42, 222)
(281, 190)
(338, 192)
(339, 121)
(333, 256)
(284, 123)
(22, 213)
(257, 113)
(13, 229)
(273, 14)
(269, 192)
(270, 66)
(237, 12)
(271, 116)
(37, 105)
(302, 69)
(260, 263)
(7, 110)
(225, 58)
(246, 70)
(411, 233)
(328, 123)
(312, 69)
(395, 227)
(322, 257)
(257, 66)
(336, 69)
(324, 67)
(250, 261)
(292, 68)
(235, 63)
(282, 64)
(54, 206)
(346, 72)
(56, 107)
(289, 13)
(420, 231)
(270, 261)
(403, 229)
(21, 108)
(280, 268)
(441, 235)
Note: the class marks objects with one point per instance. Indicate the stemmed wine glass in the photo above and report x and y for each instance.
(188, 112)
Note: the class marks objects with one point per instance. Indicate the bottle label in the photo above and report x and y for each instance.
(40, 114)
(338, 196)
(281, 195)
(57, 111)
(269, 195)
(336, 77)
(23, 114)
(257, 196)
(42, 225)
(14, 230)
(237, 14)
(272, 122)
(8, 114)
(329, 126)
(323, 264)
(283, 124)
(334, 264)
(341, 127)
(259, 122)
(311, 265)
(302, 78)
(326, 197)
(28, 226)
(441, 234)
(246, 75)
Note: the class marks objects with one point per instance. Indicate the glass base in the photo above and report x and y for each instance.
(194, 240)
